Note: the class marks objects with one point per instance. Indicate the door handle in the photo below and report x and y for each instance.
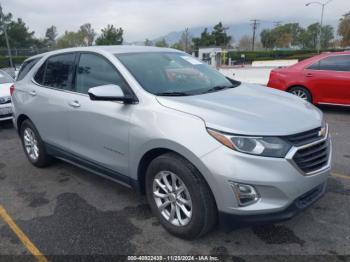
(74, 104)
(309, 75)
(32, 93)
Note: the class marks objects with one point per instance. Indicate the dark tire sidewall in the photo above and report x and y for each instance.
(164, 163)
(42, 159)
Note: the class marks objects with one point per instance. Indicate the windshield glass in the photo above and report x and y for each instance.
(4, 78)
(173, 73)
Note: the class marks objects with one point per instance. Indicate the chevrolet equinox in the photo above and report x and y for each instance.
(202, 147)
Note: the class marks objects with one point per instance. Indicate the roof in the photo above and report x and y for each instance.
(114, 49)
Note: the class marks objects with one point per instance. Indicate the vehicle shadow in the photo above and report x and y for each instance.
(335, 109)
(6, 124)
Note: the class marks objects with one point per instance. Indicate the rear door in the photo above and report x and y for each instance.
(49, 94)
(99, 130)
(330, 79)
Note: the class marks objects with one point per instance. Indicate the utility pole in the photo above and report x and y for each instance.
(2, 19)
(255, 27)
(321, 25)
(186, 40)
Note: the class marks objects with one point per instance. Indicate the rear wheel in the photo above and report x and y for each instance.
(179, 197)
(301, 92)
(33, 145)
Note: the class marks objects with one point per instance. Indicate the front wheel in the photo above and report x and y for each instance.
(301, 92)
(179, 197)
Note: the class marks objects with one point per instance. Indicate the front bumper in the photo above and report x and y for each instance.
(277, 180)
(6, 116)
(293, 209)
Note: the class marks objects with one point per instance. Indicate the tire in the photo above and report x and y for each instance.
(32, 141)
(195, 192)
(301, 92)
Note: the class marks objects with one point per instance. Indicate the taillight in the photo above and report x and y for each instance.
(12, 89)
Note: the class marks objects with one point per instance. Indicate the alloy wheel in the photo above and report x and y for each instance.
(172, 198)
(31, 144)
(300, 93)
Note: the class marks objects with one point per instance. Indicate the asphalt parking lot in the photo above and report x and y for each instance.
(64, 210)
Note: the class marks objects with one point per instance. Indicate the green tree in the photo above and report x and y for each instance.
(219, 35)
(110, 36)
(18, 33)
(148, 42)
(327, 36)
(88, 34)
(268, 38)
(50, 35)
(206, 39)
(344, 29)
(161, 43)
(70, 39)
(310, 36)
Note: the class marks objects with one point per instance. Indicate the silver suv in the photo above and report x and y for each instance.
(202, 147)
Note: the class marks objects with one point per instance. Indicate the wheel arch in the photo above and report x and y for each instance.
(153, 153)
(20, 119)
(303, 86)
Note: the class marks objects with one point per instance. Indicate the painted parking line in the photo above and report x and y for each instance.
(340, 176)
(19, 233)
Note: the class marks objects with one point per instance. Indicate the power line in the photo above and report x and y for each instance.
(255, 25)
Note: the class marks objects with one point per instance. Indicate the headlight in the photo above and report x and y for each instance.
(262, 146)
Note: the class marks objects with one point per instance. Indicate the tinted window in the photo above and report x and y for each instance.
(57, 72)
(94, 70)
(39, 76)
(333, 63)
(26, 67)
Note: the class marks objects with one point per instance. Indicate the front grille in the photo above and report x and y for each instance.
(312, 158)
(304, 137)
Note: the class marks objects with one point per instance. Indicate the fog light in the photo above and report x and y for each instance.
(245, 194)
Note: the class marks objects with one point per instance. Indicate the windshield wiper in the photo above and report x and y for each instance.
(218, 88)
(172, 94)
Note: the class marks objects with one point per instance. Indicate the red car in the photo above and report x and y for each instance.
(322, 79)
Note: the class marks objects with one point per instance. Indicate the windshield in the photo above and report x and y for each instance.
(4, 78)
(174, 73)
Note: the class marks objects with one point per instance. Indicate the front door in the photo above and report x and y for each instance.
(99, 130)
(330, 78)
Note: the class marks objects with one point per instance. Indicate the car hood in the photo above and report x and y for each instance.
(5, 89)
(249, 109)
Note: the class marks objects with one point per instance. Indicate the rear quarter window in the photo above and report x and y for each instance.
(57, 71)
(26, 67)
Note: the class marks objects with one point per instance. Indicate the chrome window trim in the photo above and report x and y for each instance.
(295, 149)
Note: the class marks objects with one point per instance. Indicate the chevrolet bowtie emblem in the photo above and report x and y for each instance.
(322, 132)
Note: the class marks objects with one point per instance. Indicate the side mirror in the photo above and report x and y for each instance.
(109, 93)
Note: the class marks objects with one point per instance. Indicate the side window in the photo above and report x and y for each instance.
(94, 70)
(333, 63)
(26, 67)
(39, 76)
(57, 72)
